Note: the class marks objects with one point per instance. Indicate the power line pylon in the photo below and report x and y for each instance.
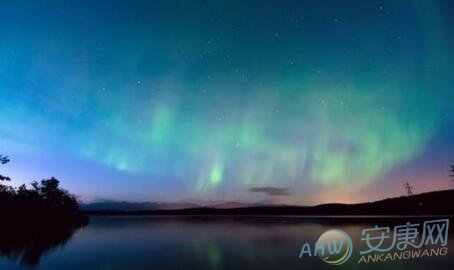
(409, 189)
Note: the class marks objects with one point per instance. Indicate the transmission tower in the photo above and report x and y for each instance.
(409, 189)
(452, 172)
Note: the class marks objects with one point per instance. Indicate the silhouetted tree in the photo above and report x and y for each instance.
(55, 197)
(43, 199)
(3, 161)
(6, 192)
(36, 219)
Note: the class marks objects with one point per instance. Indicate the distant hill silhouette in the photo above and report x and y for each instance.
(146, 206)
(134, 206)
(430, 203)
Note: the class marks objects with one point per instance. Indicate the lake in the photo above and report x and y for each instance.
(110, 243)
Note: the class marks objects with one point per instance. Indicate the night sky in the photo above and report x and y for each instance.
(258, 101)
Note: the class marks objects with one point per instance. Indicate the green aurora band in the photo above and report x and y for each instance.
(275, 109)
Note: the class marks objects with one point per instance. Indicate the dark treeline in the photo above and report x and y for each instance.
(42, 201)
(35, 219)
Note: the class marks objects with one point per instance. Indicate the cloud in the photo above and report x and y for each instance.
(270, 191)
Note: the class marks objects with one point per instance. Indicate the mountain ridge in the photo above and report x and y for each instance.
(429, 203)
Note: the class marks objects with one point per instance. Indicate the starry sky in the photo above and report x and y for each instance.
(298, 102)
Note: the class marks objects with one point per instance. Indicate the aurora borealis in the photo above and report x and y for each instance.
(204, 100)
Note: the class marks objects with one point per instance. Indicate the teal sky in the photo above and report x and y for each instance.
(204, 100)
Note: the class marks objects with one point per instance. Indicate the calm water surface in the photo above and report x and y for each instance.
(110, 243)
